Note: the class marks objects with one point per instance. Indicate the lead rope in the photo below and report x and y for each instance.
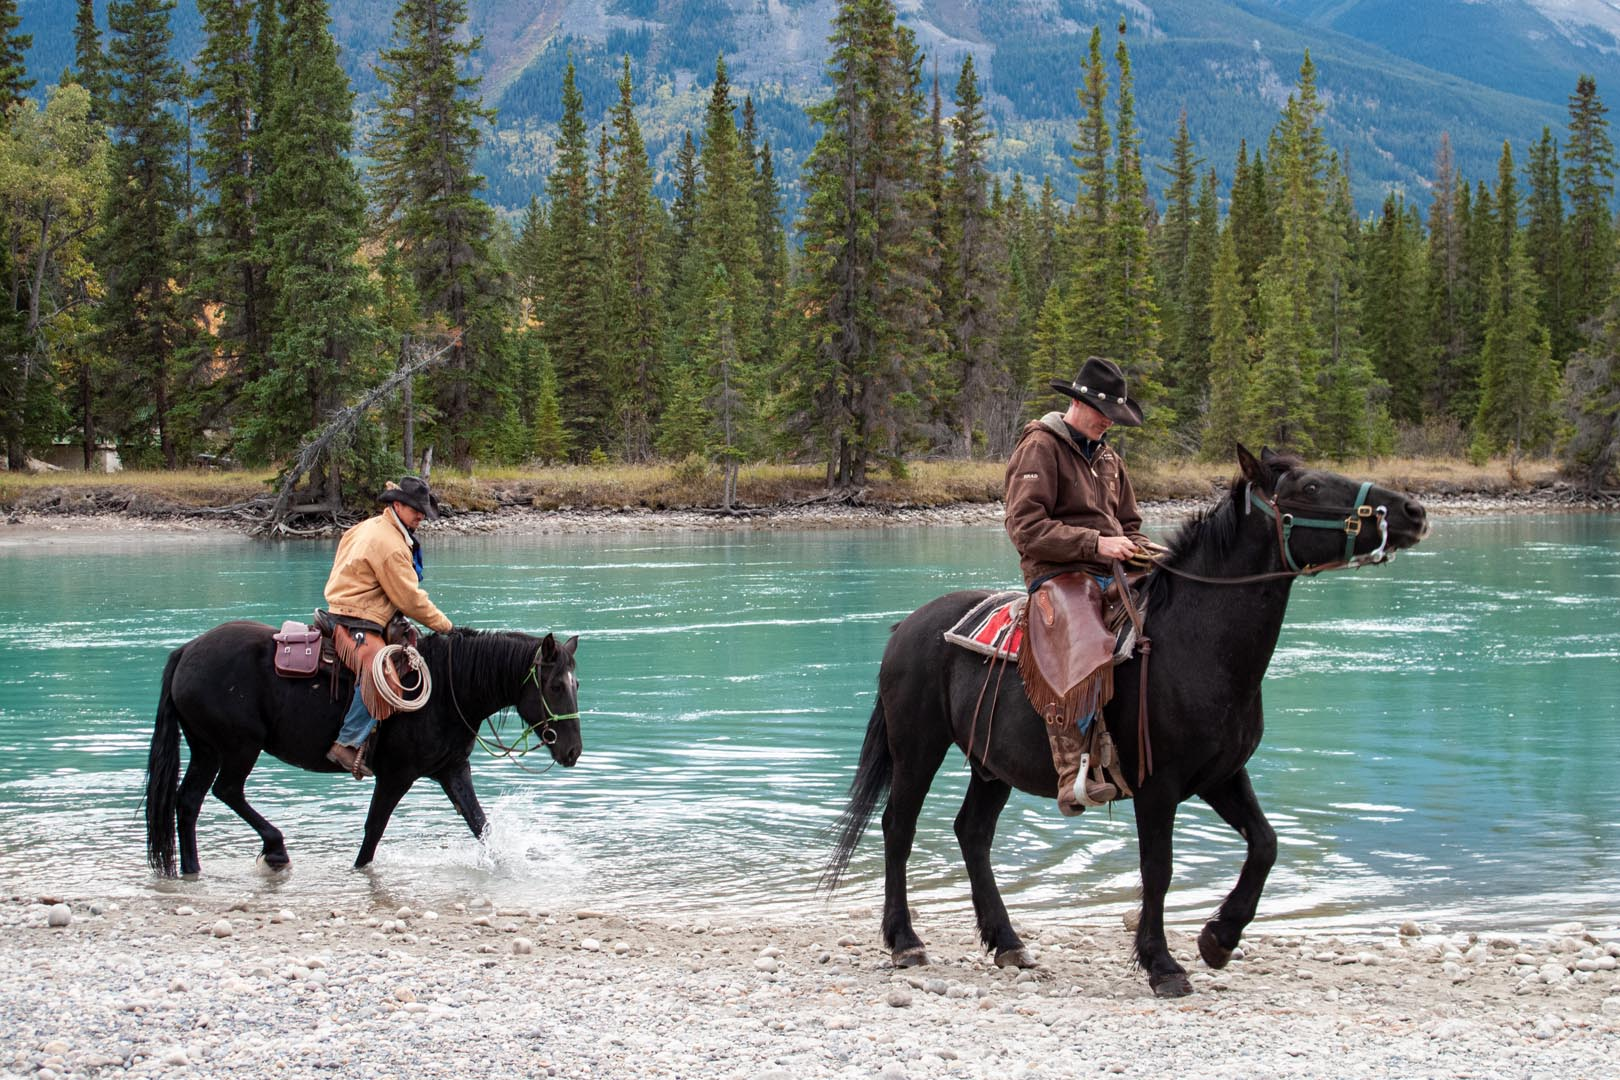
(513, 752)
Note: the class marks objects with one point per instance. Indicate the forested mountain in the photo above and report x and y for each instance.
(1394, 74)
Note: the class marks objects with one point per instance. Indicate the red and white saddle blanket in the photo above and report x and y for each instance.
(994, 627)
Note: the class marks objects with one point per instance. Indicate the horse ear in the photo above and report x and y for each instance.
(1252, 470)
(1267, 455)
(548, 646)
(570, 645)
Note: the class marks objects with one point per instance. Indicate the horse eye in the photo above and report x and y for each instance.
(1312, 488)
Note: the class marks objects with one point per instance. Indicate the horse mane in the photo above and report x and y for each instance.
(489, 657)
(1214, 530)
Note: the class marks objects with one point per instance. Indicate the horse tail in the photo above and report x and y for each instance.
(871, 783)
(163, 777)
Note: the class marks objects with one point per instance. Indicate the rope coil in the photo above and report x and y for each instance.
(422, 688)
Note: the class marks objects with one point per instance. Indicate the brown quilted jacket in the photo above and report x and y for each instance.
(1058, 503)
(373, 577)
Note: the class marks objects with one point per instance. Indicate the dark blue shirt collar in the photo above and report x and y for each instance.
(1088, 447)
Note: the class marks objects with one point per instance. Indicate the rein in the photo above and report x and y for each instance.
(521, 746)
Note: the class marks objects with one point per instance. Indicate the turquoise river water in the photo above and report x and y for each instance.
(1443, 734)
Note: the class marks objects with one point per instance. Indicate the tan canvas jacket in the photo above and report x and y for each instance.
(1058, 503)
(373, 577)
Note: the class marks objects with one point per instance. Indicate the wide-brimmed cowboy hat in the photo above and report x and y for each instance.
(1101, 385)
(414, 492)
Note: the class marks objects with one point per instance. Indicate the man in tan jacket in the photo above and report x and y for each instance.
(1070, 508)
(376, 574)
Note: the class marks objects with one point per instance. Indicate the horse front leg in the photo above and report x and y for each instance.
(975, 830)
(913, 775)
(228, 789)
(1233, 799)
(1155, 822)
(458, 785)
(384, 797)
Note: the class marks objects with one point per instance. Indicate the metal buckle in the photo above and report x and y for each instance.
(1364, 511)
(1352, 526)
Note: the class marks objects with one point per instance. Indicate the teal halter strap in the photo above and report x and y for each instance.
(1350, 524)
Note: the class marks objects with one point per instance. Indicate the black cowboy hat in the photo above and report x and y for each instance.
(1101, 385)
(414, 492)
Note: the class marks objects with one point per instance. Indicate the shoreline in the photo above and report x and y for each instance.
(65, 526)
(271, 984)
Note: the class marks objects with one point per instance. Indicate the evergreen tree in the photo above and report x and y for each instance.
(230, 274)
(14, 83)
(313, 217)
(1189, 390)
(1507, 204)
(1445, 299)
(1591, 397)
(1173, 247)
(572, 328)
(427, 135)
(1351, 414)
(550, 433)
(1394, 295)
(88, 62)
(1133, 322)
(140, 316)
(1548, 245)
(971, 293)
(636, 310)
(1227, 422)
(1518, 383)
(869, 261)
(1589, 177)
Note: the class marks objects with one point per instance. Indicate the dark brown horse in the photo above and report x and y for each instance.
(1212, 640)
(219, 689)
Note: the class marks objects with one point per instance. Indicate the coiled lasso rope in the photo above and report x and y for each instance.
(423, 687)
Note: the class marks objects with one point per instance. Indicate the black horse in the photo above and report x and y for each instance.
(1212, 641)
(220, 690)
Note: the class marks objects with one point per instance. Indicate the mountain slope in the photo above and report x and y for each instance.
(1393, 73)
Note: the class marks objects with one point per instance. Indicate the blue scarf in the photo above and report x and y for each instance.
(416, 556)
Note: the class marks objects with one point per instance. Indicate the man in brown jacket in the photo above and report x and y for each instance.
(1070, 508)
(376, 573)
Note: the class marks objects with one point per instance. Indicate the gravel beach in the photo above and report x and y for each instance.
(159, 986)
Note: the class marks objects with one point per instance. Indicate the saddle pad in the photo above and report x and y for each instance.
(991, 627)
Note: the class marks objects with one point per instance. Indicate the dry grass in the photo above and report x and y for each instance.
(666, 486)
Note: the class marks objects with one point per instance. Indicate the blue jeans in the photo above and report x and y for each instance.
(358, 723)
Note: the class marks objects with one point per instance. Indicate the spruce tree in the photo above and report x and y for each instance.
(313, 218)
(429, 119)
(1518, 383)
(230, 274)
(635, 228)
(1226, 422)
(869, 261)
(972, 281)
(1394, 295)
(1446, 339)
(1589, 177)
(1548, 244)
(1173, 245)
(88, 61)
(140, 317)
(1132, 335)
(1189, 391)
(572, 328)
(1352, 418)
(14, 81)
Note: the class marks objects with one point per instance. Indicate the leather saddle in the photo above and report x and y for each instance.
(1067, 658)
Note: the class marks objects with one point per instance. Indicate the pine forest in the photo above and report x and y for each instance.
(212, 258)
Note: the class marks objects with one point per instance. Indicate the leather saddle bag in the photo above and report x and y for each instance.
(298, 651)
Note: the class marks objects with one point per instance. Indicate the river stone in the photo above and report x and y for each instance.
(1411, 929)
(522, 946)
(766, 964)
(1611, 1006)
(898, 998)
(894, 1070)
(59, 915)
(591, 945)
(222, 928)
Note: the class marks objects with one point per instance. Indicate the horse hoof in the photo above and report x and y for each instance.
(916, 956)
(1171, 986)
(275, 862)
(1018, 958)
(1214, 953)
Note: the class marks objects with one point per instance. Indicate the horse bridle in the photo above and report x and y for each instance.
(546, 727)
(1285, 513)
